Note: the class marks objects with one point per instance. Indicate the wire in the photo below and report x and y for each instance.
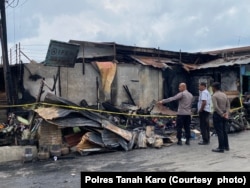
(32, 51)
(23, 3)
(11, 4)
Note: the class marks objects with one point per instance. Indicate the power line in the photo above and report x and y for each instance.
(11, 4)
(23, 3)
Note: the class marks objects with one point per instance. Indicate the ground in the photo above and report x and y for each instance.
(174, 158)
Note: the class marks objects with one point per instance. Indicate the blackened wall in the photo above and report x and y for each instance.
(172, 78)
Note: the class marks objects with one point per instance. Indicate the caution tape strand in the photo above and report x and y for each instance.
(99, 111)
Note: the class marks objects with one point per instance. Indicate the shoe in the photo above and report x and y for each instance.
(203, 143)
(179, 142)
(218, 150)
(227, 148)
(187, 142)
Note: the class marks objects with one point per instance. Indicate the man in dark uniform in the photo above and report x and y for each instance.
(221, 112)
(185, 99)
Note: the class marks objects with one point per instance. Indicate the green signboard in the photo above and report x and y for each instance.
(61, 54)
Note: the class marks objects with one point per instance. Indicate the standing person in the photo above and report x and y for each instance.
(185, 99)
(221, 107)
(204, 109)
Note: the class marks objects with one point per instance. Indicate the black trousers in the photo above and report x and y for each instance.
(220, 128)
(183, 121)
(204, 126)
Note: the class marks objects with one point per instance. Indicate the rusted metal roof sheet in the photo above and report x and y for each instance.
(220, 62)
(86, 143)
(156, 62)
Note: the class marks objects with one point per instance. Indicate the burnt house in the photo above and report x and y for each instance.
(115, 75)
(107, 71)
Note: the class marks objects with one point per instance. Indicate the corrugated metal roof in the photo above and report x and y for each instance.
(230, 51)
(121, 52)
(156, 62)
(61, 117)
(220, 62)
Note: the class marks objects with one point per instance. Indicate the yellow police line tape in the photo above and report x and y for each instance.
(99, 111)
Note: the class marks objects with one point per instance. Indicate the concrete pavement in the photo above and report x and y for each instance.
(16, 153)
(172, 158)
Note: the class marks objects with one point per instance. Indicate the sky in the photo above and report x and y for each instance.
(174, 25)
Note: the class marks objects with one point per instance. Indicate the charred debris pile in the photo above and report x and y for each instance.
(102, 130)
(60, 127)
(84, 129)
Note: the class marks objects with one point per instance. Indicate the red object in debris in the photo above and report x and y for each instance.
(73, 139)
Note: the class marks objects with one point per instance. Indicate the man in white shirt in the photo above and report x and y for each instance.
(204, 109)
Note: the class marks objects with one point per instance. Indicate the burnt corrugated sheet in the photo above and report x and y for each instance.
(127, 135)
(97, 119)
(53, 99)
(156, 62)
(95, 138)
(50, 113)
(64, 117)
(112, 140)
(75, 122)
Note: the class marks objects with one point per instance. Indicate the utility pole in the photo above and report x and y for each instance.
(6, 67)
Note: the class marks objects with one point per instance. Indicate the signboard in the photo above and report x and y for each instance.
(61, 54)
